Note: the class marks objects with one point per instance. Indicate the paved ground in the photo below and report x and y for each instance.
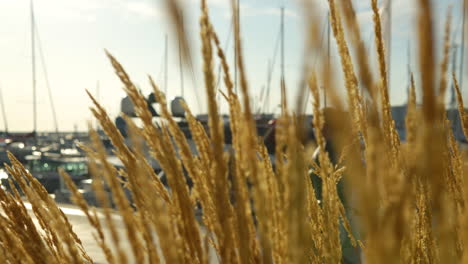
(85, 232)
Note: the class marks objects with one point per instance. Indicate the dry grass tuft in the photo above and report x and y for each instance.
(367, 197)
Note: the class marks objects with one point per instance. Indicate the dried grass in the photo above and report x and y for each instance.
(381, 201)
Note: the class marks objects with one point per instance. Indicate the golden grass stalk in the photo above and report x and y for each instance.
(176, 16)
(92, 217)
(381, 199)
(58, 243)
(426, 61)
(363, 64)
(445, 61)
(118, 193)
(351, 82)
(219, 173)
(461, 107)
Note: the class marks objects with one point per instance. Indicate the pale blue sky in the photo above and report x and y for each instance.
(74, 33)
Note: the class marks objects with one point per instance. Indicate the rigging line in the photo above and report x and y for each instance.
(457, 28)
(260, 100)
(191, 68)
(228, 41)
(322, 38)
(46, 77)
(218, 81)
(265, 98)
(194, 79)
(272, 68)
(262, 97)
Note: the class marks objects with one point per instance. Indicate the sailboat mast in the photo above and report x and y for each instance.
(3, 111)
(98, 97)
(266, 103)
(328, 57)
(181, 71)
(283, 85)
(389, 44)
(33, 53)
(165, 65)
(236, 19)
(409, 73)
(282, 43)
(454, 67)
(462, 63)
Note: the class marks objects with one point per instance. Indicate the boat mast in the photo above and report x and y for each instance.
(462, 63)
(409, 74)
(97, 98)
(328, 58)
(283, 88)
(165, 65)
(266, 102)
(282, 43)
(236, 19)
(3, 111)
(181, 71)
(33, 53)
(454, 67)
(389, 45)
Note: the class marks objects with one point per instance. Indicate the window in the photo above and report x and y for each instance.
(75, 168)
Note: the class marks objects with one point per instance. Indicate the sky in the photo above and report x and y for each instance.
(74, 33)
